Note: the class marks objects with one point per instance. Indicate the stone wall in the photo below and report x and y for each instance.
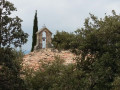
(39, 38)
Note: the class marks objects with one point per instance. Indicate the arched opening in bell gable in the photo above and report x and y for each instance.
(43, 39)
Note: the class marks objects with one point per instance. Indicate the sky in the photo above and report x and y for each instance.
(61, 15)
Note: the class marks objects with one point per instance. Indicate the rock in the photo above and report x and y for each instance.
(34, 59)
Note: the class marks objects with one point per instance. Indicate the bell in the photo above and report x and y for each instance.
(43, 38)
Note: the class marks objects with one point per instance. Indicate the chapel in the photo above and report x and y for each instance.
(44, 38)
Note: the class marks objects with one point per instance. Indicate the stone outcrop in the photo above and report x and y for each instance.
(34, 59)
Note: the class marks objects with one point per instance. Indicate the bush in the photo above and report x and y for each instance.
(55, 76)
(10, 71)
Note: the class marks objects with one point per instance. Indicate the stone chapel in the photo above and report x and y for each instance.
(41, 38)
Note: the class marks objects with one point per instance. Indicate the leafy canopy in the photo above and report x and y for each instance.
(11, 32)
(98, 44)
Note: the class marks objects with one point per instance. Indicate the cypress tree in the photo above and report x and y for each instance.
(35, 29)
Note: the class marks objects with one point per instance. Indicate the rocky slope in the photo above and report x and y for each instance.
(34, 59)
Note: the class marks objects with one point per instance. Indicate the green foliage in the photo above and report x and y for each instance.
(55, 76)
(100, 35)
(100, 38)
(11, 35)
(35, 29)
(97, 68)
(10, 28)
(116, 83)
(63, 40)
(47, 77)
(10, 71)
(98, 43)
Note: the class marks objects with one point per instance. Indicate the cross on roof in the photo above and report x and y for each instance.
(44, 26)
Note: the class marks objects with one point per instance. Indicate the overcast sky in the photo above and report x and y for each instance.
(67, 15)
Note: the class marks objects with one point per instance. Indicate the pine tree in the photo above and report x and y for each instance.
(35, 29)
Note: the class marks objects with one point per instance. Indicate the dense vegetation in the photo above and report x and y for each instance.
(100, 38)
(11, 35)
(63, 40)
(10, 70)
(98, 68)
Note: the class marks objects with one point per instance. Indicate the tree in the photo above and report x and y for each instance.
(101, 36)
(101, 40)
(10, 69)
(63, 40)
(98, 44)
(11, 32)
(55, 76)
(35, 29)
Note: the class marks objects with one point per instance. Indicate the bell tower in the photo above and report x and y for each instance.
(41, 38)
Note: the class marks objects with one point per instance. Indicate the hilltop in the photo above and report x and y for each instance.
(34, 59)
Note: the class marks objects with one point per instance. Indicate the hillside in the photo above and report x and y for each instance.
(34, 59)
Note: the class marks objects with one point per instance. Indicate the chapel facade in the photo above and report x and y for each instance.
(40, 38)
